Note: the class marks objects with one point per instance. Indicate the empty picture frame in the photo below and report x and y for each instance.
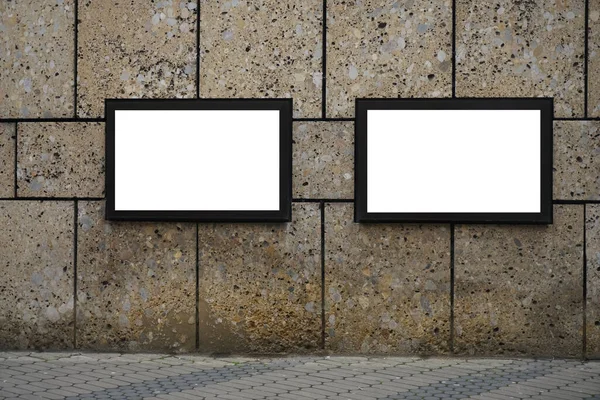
(206, 160)
(482, 160)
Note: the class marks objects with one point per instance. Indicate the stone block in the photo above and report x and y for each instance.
(387, 49)
(36, 284)
(62, 159)
(37, 57)
(519, 289)
(511, 48)
(134, 49)
(260, 285)
(323, 160)
(136, 283)
(267, 49)
(387, 286)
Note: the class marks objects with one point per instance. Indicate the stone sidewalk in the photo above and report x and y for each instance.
(148, 376)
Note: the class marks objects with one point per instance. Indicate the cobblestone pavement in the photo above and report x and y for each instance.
(148, 376)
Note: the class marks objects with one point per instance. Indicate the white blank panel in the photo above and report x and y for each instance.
(213, 160)
(453, 161)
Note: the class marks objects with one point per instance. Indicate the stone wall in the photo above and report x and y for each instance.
(69, 279)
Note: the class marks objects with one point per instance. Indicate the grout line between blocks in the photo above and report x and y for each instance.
(319, 119)
(16, 159)
(51, 198)
(197, 290)
(198, 50)
(75, 212)
(324, 64)
(452, 288)
(48, 198)
(575, 201)
(576, 119)
(75, 51)
(18, 120)
(584, 344)
(323, 119)
(322, 207)
(322, 200)
(453, 48)
(586, 58)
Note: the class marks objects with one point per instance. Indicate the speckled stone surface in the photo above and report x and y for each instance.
(594, 59)
(260, 285)
(323, 160)
(7, 160)
(269, 48)
(381, 48)
(36, 284)
(593, 280)
(37, 58)
(577, 160)
(387, 287)
(519, 290)
(137, 49)
(63, 159)
(135, 284)
(522, 48)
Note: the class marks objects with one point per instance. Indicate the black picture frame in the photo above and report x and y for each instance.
(284, 106)
(545, 105)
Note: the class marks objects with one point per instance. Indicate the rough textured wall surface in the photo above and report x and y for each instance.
(70, 279)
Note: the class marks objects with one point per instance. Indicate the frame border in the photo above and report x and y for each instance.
(284, 214)
(544, 104)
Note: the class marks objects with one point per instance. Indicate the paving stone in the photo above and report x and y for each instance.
(44, 385)
(520, 389)
(496, 383)
(62, 392)
(104, 384)
(185, 395)
(267, 49)
(148, 375)
(509, 282)
(48, 395)
(138, 49)
(359, 396)
(332, 387)
(387, 49)
(376, 392)
(136, 283)
(37, 275)
(401, 386)
(337, 373)
(386, 286)
(17, 390)
(64, 159)
(27, 397)
(88, 386)
(36, 67)
(582, 387)
(510, 48)
(568, 394)
(555, 378)
(70, 380)
(260, 285)
(293, 396)
(237, 385)
(300, 382)
(323, 160)
(577, 373)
